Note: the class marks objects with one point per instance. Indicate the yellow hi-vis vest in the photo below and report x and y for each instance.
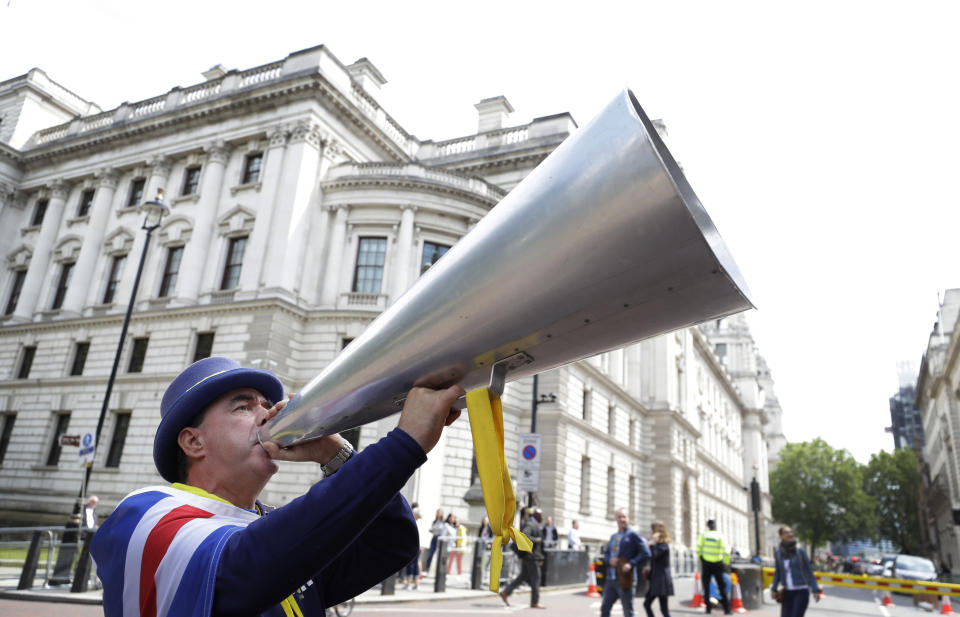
(710, 547)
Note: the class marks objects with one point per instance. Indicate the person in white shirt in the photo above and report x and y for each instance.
(573, 538)
(90, 513)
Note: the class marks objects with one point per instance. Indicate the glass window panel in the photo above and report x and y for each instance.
(368, 275)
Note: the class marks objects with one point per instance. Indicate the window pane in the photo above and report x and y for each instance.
(86, 201)
(251, 168)
(26, 362)
(79, 358)
(63, 419)
(8, 420)
(204, 346)
(116, 273)
(431, 253)
(371, 254)
(191, 180)
(231, 271)
(18, 277)
(585, 485)
(138, 355)
(120, 426)
(38, 211)
(66, 270)
(170, 271)
(136, 192)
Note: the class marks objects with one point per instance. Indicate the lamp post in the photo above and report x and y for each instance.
(154, 211)
(537, 399)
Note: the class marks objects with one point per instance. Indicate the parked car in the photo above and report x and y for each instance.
(913, 567)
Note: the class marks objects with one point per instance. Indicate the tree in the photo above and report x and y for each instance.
(893, 481)
(818, 491)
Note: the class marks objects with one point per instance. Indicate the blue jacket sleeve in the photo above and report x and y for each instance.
(643, 552)
(348, 532)
(777, 573)
(805, 563)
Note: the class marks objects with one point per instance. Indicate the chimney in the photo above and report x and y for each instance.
(493, 112)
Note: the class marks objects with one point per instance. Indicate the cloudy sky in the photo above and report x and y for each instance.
(822, 137)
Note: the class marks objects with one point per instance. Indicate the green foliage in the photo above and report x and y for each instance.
(893, 482)
(818, 491)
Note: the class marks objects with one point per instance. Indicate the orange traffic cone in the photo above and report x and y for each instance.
(697, 601)
(887, 600)
(945, 608)
(737, 605)
(592, 583)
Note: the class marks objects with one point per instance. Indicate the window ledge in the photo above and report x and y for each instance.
(255, 186)
(186, 198)
(78, 219)
(29, 229)
(44, 468)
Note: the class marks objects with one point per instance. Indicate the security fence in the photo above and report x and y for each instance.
(45, 557)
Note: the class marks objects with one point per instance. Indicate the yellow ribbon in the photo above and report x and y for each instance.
(486, 424)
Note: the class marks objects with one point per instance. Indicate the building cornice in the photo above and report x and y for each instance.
(410, 183)
(706, 351)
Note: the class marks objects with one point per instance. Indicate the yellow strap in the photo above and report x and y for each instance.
(486, 424)
(291, 608)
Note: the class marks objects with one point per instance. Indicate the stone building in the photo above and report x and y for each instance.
(300, 210)
(936, 394)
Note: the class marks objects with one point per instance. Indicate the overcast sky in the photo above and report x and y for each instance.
(822, 137)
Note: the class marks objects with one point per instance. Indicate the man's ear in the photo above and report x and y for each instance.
(190, 441)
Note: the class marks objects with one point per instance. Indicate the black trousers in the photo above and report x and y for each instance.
(714, 569)
(648, 602)
(529, 573)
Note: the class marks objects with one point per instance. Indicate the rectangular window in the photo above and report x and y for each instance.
(136, 192)
(86, 202)
(345, 341)
(66, 270)
(632, 437)
(585, 485)
(113, 280)
(191, 181)
(611, 420)
(368, 274)
(353, 436)
(121, 422)
(138, 355)
(26, 361)
(611, 492)
(53, 457)
(721, 350)
(431, 253)
(79, 358)
(251, 168)
(231, 271)
(8, 419)
(587, 403)
(39, 209)
(632, 505)
(204, 346)
(170, 270)
(15, 289)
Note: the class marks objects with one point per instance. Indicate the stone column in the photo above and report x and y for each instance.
(298, 180)
(37, 271)
(331, 282)
(253, 258)
(81, 283)
(401, 263)
(316, 240)
(198, 248)
(159, 174)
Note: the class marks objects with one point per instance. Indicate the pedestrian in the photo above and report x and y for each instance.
(573, 537)
(714, 557)
(411, 574)
(660, 577)
(456, 542)
(90, 513)
(437, 529)
(207, 546)
(626, 552)
(529, 562)
(793, 578)
(486, 531)
(550, 537)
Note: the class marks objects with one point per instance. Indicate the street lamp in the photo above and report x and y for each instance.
(154, 211)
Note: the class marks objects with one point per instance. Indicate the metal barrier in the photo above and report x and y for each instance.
(24, 550)
(878, 583)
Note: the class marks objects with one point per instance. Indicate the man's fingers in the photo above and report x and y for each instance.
(452, 417)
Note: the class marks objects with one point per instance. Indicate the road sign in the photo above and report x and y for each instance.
(87, 447)
(69, 440)
(528, 467)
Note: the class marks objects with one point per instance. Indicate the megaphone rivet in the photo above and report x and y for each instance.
(669, 288)
(586, 321)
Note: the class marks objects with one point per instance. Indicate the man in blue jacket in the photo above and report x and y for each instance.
(205, 545)
(626, 553)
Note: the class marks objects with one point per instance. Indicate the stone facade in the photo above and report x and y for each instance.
(300, 210)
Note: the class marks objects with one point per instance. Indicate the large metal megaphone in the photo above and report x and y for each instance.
(602, 245)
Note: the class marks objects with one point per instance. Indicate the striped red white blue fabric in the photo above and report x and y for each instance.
(157, 553)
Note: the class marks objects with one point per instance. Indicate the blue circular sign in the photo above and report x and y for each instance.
(529, 452)
(87, 439)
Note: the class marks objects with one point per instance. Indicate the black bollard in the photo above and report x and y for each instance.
(30, 564)
(81, 577)
(66, 554)
(389, 585)
(476, 571)
(440, 582)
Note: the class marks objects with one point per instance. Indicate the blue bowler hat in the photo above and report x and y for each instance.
(199, 385)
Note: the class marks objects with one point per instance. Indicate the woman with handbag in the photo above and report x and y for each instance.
(659, 576)
(793, 578)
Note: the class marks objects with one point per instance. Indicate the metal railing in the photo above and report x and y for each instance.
(32, 557)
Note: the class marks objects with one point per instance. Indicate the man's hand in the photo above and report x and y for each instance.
(426, 412)
(627, 566)
(320, 450)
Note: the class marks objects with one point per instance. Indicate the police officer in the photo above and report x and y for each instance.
(713, 555)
